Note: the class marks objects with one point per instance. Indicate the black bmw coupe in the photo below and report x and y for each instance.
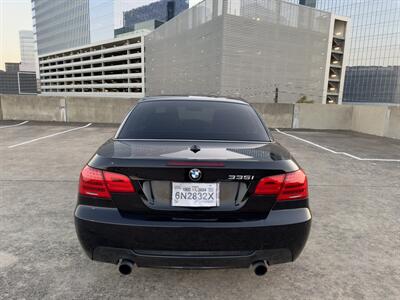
(192, 182)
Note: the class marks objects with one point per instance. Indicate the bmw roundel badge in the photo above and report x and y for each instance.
(195, 174)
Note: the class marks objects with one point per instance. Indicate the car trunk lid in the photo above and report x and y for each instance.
(153, 166)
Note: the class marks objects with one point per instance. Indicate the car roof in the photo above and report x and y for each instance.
(191, 98)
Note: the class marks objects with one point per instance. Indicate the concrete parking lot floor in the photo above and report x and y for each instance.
(353, 250)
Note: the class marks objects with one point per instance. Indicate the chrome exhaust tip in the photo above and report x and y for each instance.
(259, 268)
(125, 266)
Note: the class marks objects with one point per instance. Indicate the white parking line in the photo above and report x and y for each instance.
(49, 136)
(336, 152)
(14, 125)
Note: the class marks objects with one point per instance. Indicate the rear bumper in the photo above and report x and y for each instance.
(107, 236)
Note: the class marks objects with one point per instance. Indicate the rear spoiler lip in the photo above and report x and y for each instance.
(112, 164)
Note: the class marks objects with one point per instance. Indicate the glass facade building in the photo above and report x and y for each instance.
(158, 10)
(101, 17)
(27, 51)
(372, 83)
(85, 49)
(60, 24)
(15, 81)
(374, 48)
(64, 24)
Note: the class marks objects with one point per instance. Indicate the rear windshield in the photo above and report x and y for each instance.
(193, 120)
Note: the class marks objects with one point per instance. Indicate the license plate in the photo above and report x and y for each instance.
(189, 194)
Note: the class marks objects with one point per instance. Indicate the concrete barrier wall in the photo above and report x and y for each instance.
(1, 111)
(370, 119)
(392, 129)
(276, 115)
(322, 116)
(27, 107)
(376, 120)
(64, 109)
(98, 110)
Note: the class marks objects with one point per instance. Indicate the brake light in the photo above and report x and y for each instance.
(196, 163)
(290, 186)
(270, 185)
(118, 183)
(295, 186)
(99, 184)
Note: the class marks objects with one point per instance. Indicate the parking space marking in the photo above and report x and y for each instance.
(14, 125)
(48, 136)
(337, 152)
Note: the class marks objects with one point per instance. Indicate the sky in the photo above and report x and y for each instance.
(15, 15)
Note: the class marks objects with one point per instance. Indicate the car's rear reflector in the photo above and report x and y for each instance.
(99, 184)
(290, 186)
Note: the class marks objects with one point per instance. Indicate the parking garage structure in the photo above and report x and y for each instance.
(261, 51)
(112, 68)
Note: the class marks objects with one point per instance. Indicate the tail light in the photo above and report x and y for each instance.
(271, 185)
(290, 186)
(294, 187)
(99, 184)
(118, 183)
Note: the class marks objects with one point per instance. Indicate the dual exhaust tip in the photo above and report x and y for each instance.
(125, 267)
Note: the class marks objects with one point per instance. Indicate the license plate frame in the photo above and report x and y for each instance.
(195, 194)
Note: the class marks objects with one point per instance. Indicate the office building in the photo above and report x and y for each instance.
(151, 16)
(85, 49)
(65, 24)
(262, 51)
(14, 81)
(145, 26)
(373, 83)
(60, 24)
(310, 3)
(373, 48)
(162, 10)
(109, 68)
(27, 51)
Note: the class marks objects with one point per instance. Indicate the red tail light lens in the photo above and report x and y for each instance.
(295, 186)
(92, 183)
(118, 183)
(99, 184)
(290, 186)
(270, 185)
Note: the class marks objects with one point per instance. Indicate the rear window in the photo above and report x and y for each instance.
(193, 120)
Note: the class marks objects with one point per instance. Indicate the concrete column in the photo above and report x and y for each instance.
(63, 110)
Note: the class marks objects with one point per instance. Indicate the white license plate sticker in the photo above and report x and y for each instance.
(191, 194)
